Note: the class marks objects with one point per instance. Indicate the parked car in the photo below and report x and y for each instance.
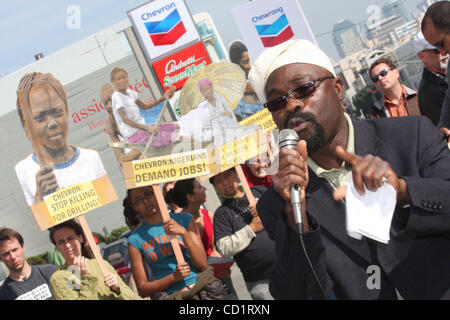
(116, 253)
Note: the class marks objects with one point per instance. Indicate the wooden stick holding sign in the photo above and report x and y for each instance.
(166, 217)
(45, 160)
(247, 190)
(156, 130)
(93, 245)
(159, 195)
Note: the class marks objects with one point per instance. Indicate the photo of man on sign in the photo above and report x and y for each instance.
(55, 164)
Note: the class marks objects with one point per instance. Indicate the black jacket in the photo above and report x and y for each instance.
(416, 261)
(431, 95)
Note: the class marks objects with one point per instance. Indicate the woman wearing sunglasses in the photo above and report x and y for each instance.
(399, 100)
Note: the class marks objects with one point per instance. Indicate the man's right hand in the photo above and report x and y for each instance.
(292, 169)
(46, 182)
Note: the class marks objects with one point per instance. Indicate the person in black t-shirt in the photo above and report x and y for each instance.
(239, 233)
(25, 282)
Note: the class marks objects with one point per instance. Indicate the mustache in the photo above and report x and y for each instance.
(298, 115)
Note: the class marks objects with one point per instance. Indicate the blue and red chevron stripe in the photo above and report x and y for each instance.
(167, 31)
(275, 33)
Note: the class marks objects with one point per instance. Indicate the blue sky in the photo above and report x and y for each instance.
(28, 27)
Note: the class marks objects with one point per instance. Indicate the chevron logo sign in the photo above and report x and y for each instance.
(275, 33)
(166, 31)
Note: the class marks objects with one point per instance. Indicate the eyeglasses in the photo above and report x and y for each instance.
(140, 200)
(304, 91)
(383, 73)
(436, 51)
(440, 44)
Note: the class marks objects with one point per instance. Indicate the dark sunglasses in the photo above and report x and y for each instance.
(440, 44)
(304, 91)
(436, 51)
(383, 73)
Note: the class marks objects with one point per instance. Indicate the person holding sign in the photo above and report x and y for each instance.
(125, 105)
(43, 110)
(249, 103)
(151, 241)
(106, 92)
(255, 171)
(191, 195)
(239, 233)
(81, 278)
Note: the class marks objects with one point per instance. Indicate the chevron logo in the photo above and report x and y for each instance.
(275, 33)
(167, 31)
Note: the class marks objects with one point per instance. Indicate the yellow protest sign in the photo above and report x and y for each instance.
(237, 151)
(166, 168)
(73, 201)
(263, 119)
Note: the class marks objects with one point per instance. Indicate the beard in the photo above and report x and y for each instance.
(316, 139)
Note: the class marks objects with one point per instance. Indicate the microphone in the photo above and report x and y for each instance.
(289, 139)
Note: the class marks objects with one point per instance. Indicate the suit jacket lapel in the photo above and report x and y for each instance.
(330, 214)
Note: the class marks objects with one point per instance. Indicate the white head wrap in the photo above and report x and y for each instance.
(291, 51)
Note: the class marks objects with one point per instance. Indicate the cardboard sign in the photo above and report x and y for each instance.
(263, 119)
(166, 168)
(73, 201)
(237, 151)
(177, 68)
(163, 26)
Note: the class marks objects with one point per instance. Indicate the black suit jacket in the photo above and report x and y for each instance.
(417, 259)
(431, 94)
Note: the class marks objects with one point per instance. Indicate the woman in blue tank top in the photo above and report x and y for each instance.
(151, 241)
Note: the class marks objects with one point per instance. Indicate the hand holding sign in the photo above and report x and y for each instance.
(46, 182)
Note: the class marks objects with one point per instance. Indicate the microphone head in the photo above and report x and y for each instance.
(288, 139)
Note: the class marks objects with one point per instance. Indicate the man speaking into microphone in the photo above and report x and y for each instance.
(296, 82)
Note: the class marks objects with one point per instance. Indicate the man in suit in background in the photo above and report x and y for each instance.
(296, 82)
(436, 30)
(433, 85)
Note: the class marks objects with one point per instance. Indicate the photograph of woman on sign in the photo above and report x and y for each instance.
(212, 118)
(43, 110)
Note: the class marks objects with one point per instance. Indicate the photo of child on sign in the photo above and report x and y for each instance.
(55, 164)
(132, 126)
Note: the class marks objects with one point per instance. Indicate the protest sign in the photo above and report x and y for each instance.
(54, 164)
(166, 168)
(263, 119)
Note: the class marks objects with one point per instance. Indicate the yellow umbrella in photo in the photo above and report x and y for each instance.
(228, 79)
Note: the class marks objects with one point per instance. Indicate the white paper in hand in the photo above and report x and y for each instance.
(370, 215)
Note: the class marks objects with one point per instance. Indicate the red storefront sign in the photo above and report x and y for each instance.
(178, 67)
